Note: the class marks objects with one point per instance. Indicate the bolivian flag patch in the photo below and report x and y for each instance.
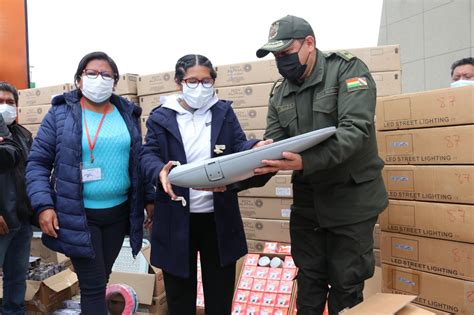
(359, 83)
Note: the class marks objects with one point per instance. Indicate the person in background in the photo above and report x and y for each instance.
(462, 72)
(338, 190)
(15, 208)
(83, 177)
(194, 125)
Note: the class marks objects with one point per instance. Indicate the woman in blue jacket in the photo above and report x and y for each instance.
(192, 126)
(83, 177)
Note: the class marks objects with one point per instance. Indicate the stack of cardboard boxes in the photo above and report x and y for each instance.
(33, 104)
(127, 87)
(427, 245)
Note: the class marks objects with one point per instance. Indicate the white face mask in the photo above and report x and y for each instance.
(460, 83)
(8, 112)
(97, 90)
(198, 97)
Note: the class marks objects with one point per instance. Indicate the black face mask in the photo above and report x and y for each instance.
(290, 67)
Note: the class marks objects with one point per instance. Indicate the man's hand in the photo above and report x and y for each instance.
(290, 161)
(150, 211)
(214, 189)
(3, 225)
(165, 183)
(48, 222)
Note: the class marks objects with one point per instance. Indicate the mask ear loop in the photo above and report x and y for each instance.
(179, 198)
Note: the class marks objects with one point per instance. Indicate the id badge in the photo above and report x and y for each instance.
(90, 173)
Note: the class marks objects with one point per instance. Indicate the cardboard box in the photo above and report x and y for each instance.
(443, 107)
(380, 58)
(268, 230)
(156, 83)
(127, 84)
(254, 134)
(279, 186)
(143, 121)
(373, 285)
(388, 83)
(32, 114)
(377, 257)
(377, 236)
(434, 311)
(264, 71)
(255, 95)
(33, 128)
(252, 118)
(387, 304)
(159, 306)
(448, 258)
(452, 184)
(437, 220)
(148, 286)
(149, 102)
(440, 292)
(41, 96)
(265, 208)
(445, 145)
(258, 246)
(132, 98)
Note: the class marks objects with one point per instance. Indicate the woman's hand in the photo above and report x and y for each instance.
(165, 183)
(48, 222)
(262, 143)
(150, 211)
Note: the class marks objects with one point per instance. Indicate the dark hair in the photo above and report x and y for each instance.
(7, 87)
(96, 55)
(188, 61)
(462, 62)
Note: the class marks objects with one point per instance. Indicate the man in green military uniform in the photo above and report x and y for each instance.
(338, 190)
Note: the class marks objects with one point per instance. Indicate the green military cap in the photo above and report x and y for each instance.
(283, 32)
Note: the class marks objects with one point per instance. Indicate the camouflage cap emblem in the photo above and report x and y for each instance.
(273, 30)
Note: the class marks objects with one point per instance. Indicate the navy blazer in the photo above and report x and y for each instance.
(57, 149)
(170, 234)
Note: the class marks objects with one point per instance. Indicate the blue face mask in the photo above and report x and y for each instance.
(460, 83)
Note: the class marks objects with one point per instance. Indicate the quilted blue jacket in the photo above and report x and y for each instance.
(53, 174)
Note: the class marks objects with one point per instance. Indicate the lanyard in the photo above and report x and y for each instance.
(92, 144)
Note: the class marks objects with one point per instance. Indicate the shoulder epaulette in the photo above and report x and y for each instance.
(276, 85)
(345, 55)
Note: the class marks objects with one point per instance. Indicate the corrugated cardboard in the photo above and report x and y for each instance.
(440, 292)
(127, 84)
(452, 184)
(143, 121)
(32, 114)
(453, 222)
(388, 83)
(445, 145)
(448, 258)
(377, 236)
(265, 208)
(246, 73)
(255, 95)
(377, 257)
(279, 186)
(159, 306)
(381, 58)
(268, 230)
(132, 98)
(252, 118)
(33, 128)
(373, 285)
(443, 107)
(142, 283)
(41, 96)
(156, 83)
(254, 134)
(387, 304)
(432, 310)
(149, 102)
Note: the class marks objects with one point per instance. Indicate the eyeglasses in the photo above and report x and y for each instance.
(193, 83)
(92, 74)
